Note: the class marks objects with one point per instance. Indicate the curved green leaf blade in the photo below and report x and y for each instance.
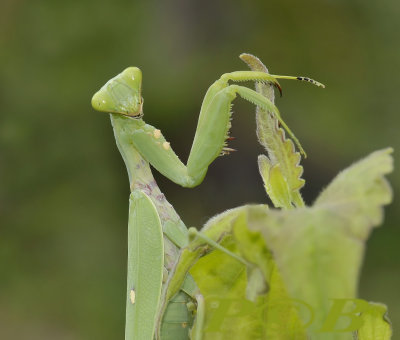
(319, 250)
(281, 150)
(243, 302)
(359, 192)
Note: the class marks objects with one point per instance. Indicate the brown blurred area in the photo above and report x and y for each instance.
(63, 186)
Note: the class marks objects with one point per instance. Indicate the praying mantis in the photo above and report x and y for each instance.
(162, 298)
(155, 232)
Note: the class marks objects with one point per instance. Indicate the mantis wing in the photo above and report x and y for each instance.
(145, 267)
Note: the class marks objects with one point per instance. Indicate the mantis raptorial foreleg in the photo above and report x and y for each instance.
(212, 129)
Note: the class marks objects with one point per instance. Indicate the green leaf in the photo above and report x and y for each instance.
(307, 256)
(281, 318)
(319, 250)
(376, 325)
(274, 183)
(359, 192)
(243, 302)
(281, 151)
(222, 281)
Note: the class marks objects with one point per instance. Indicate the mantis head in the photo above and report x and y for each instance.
(121, 94)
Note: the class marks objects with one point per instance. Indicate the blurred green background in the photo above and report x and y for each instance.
(64, 189)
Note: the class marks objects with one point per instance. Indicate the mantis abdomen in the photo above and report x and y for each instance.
(177, 320)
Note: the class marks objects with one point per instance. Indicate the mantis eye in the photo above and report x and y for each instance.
(121, 94)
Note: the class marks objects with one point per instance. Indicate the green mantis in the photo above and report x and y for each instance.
(150, 214)
(163, 299)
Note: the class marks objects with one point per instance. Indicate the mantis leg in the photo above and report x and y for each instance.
(264, 103)
(209, 141)
(212, 128)
(268, 78)
(198, 331)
